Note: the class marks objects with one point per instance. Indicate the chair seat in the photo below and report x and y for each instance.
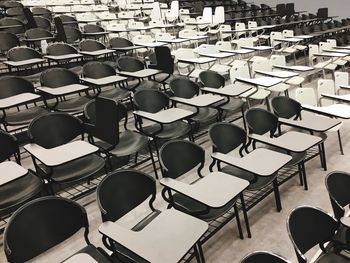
(96, 253)
(24, 117)
(296, 157)
(73, 105)
(300, 47)
(295, 81)
(116, 94)
(130, 142)
(206, 115)
(17, 192)
(256, 182)
(170, 131)
(192, 207)
(332, 258)
(77, 170)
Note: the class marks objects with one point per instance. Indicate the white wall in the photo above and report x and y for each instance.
(339, 8)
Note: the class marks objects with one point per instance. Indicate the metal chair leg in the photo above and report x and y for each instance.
(340, 143)
(245, 215)
(239, 226)
(277, 195)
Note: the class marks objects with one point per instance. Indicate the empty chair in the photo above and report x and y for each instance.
(119, 42)
(164, 62)
(8, 41)
(73, 35)
(94, 31)
(38, 33)
(43, 23)
(310, 226)
(12, 25)
(56, 219)
(24, 54)
(42, 12)
(63, 49)
(263, 257)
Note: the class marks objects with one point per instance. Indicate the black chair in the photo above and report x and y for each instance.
(16, 193)
(59, 77)
(12, 25)
(186, 88)
(94, 31)
(8, 41)
(310, 226)
(119, 42)
(60, 49)
(104, 116)
(281, 9)
(90, 45)
(178, 157)
(55, 129)
(260, 121)
(12, 4)
(43, 23)
(38, 33)
(164, 62)
(214, 80)
(97, 70)
(42, 12)
(29, 18)
(290, 11)
(119, 193)
(24, 53)
(52, 221)
(74, 36)
(19, 116)
(130, 64)
(152, 101)
(16, 12)
(263, 257)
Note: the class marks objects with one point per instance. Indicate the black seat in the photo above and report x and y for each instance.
(164, 62)
(261, 121)
(55, 129)
(25, 113)
(186, 88)
(8, 41)
(104, 116)
(119, 193)
(97, 70)
(58, 77)
(263, 257)
(214, 80)
(310, 226)
(52, 221)
(178, 157)
(16, 193)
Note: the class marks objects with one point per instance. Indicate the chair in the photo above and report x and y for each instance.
(213, 79)
(42, 12)
(95, 31)
(38, 33)
(104, 116)
(189, 156)
(57, 129)
(173, 14)
(12, 25)
(263, 257)
(43, 23)
(119, 42)
(61, 49)
(23, 189)
(310, 226)
(8, 41)
(165, 62)
(52, 220)
(74, 36)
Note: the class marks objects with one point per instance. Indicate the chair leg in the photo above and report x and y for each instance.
(324, 156)
(300, 170)
(239, 226)
(245, 215)
(277, 195)
(152, 159)
(302, 165)
(321, 155)
(198, 253)
(340, 143)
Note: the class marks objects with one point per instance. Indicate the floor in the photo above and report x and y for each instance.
(268, 226)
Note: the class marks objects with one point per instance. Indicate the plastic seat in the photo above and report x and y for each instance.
(164, 62)
(263, 257)
(8, 41)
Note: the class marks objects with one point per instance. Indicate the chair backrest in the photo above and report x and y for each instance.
(122, 191)
(332, 42)
(281, 9)
(261, 121)
(207, 15)
(340, 78)
(37, 33)
(96, 70)
(54, 129)
(184, 87)
(8, 41)
(211, 79)
(239, 69)
(22, 53)
(131, 64)
(91, 45)
(279, 60)
(309, 226)
(120, 42)
(287, 33)
(90, 28)
(285, 107)
(263, 257)
(313, 49)
(43, 23)
(29, 17)
(219, 15)
(58, 77)
(13, 85)
(325, 86)
(290, 9)
(324, 45)
(156, 14)
(306, 96)
(165, 60)
(150, 100)
(337, 184)
(52, 220)
(163, 36)
(273, 36)
(9, 147)
(178, 157)
(263, 64)
(225, 137)
(187, 33)
(245, 41)
(252, 24)
(58, 49)
(61, 34)
(11, 21)
(174, 8)
(184, 53)
(223, 45)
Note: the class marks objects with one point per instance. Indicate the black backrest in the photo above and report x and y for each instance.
(131, 64)
(281, 9)
(226, 137)
(165, 60)
(290, 9)
(91, 45)
(120, 42)
(338, 184)
(177, 157)
(22, 53)
(8, 41)
(40, 225)
(37, 33)
(54, 129)
(58, 77)
(58, 49)
(43, 23)
(150, 100)
(322, 13)
(98, 70)
(11, 21)
(9, 146)
(263, 257)
(12, 4)
(43, 12)
(261, 121)
(30, 19)
(121, 191)
(103, 113)
(73, 34)
(90, 28)
(13, 85)
(184, 87)
(286, 107)
(309, 226)
(211, 79)
(61, 34)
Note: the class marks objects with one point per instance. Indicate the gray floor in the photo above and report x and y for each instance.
(268, 226)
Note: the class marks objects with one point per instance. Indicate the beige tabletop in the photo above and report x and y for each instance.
(261, 161)
(341, 111)
(345, 98)
(262, 81)
(226, 187)
(80, 258)
(165, 116)
(203, 100)
(64, 90)
(17, 100)
(312, 122)
(258, 48)
(295, 68)
(144, 73)
(11, 171)
(200, 60)
(330, 54)
(217, 55)
(26, 62)
(151, 44)
(64, 57)
(175, 40)
(289, 39)
(345, 51)
(278, 74)
(229, 90)
(97, 52)
(195, 37)
(104, 81)
(342, 47)
(237, 51)
(291, 141)
(61, 154)
(166, 239)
